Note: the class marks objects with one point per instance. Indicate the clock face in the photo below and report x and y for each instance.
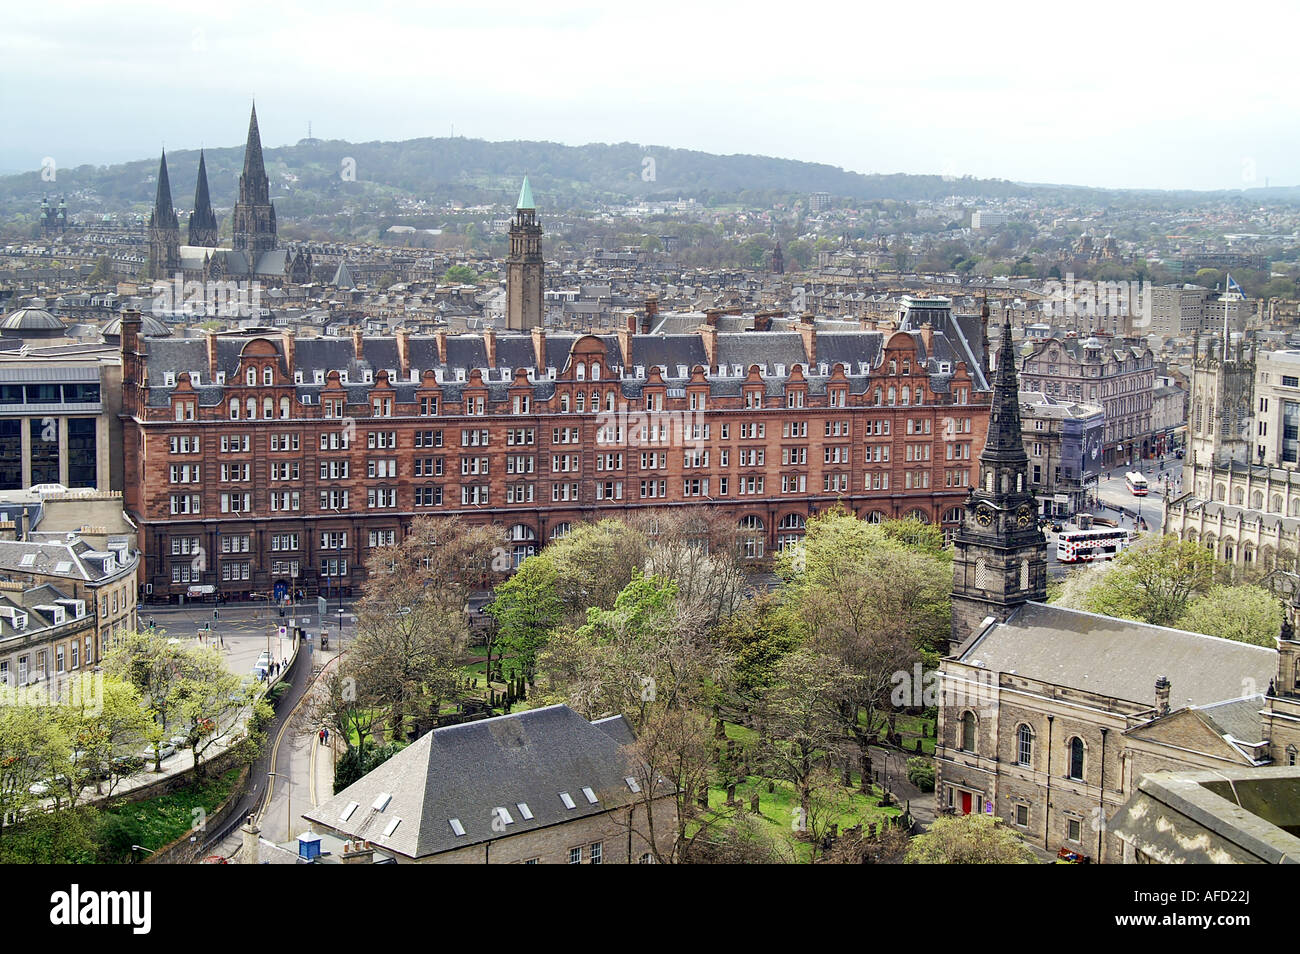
(1025, 516)
(984, 516)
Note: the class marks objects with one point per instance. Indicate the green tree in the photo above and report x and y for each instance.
(969, 840)
(208, 702)
(103, 270)
(527, 607)
(1154, 582)
(460, 275)
(155, 664)
(31, 745)
(104, 719)
(1248, 614)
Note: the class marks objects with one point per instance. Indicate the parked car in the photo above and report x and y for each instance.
(165, 750)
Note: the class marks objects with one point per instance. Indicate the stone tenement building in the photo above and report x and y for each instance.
(255, 460)
(1117, 375)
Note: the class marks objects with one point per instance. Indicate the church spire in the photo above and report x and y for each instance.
(203, 222)
(254, 175)
(253, 221)
(164, 229)
(1004, 444)
(164, 216)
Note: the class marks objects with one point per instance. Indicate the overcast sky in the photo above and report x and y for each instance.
(1119, 94)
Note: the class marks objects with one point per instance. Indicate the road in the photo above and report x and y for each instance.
(1117, 503)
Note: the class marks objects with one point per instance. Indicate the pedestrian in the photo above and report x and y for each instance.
(320, 736)
(327, 735)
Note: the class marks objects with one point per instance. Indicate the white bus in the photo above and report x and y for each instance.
(1083, 546)
(1137, 484)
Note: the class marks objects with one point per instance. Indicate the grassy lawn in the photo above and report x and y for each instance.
(155, 822)
(779, 810)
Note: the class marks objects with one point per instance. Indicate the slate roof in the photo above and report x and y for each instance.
(465, 772)
(1239, 719)
(1118, 658)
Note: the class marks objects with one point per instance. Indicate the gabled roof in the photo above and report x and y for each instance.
(459, 776)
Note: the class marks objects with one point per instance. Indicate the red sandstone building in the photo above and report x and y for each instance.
(257, 462)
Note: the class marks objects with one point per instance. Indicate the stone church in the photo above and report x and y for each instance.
(254, 253)
(1050, 717)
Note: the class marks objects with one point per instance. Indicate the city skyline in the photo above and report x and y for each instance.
(1018, 97)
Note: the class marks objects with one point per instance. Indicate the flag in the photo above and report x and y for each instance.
(1233, 286)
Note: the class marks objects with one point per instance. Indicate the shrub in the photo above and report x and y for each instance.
(920, 772)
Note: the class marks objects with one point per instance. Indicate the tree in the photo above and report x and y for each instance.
(31, 743)
(801, 720)
(103, 270)
(527, 607)
(969, 840)
(208, 701)
(672, 755)
(1248, 614)
(758, 637)
(155, 665)
(1154, 582)
(593, 562)
(460, 275)
(104, 719)
(412, 620)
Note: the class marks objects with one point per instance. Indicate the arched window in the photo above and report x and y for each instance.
(268, 376)
(251, 377)
(1076, 758)
(877, 397)
(874, 517)
(609, 400)
(560, 530)
(251, 405)
(268, 408)
(581, 372)
(1257, 500)
(1220, 492)
(595, 370)
(892, 395)
(918, 514)
(1238, 496)
(284, 408)
(968, 727)
(1024, 745)
(595, 400)
(1295, 507)
(1275, 505)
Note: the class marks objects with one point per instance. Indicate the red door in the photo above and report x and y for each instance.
(965, 803)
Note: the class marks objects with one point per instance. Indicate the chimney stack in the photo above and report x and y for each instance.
(490, 343)
(808, 332)
(358, 852)
(927, 338)
(651, 309)
(357, 344)
(250, 853)
(539, 351)
(403, 336)
(625, 339)
(440, 339)
(213, 367)
(709, 338)
(1162, 696)
(711, 316)
(289, 352)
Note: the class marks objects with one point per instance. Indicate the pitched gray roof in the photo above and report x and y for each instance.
(466, 772)
(1119, 658)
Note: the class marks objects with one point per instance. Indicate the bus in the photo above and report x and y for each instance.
(1137, 484)
(1084, 546)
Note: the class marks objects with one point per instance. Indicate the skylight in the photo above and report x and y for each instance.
(591, 796)
(567, 799)
(63, 566)
(29, 559)
(632, 784)
(524, 810)
(347, 812)
(456, 826)
(382, 801)
(391, 826)
(505, 816)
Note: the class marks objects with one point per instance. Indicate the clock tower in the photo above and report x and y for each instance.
(1000, 559)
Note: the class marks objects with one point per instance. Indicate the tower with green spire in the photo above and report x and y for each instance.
(999, 552)
(164, 229)
(525, 266)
